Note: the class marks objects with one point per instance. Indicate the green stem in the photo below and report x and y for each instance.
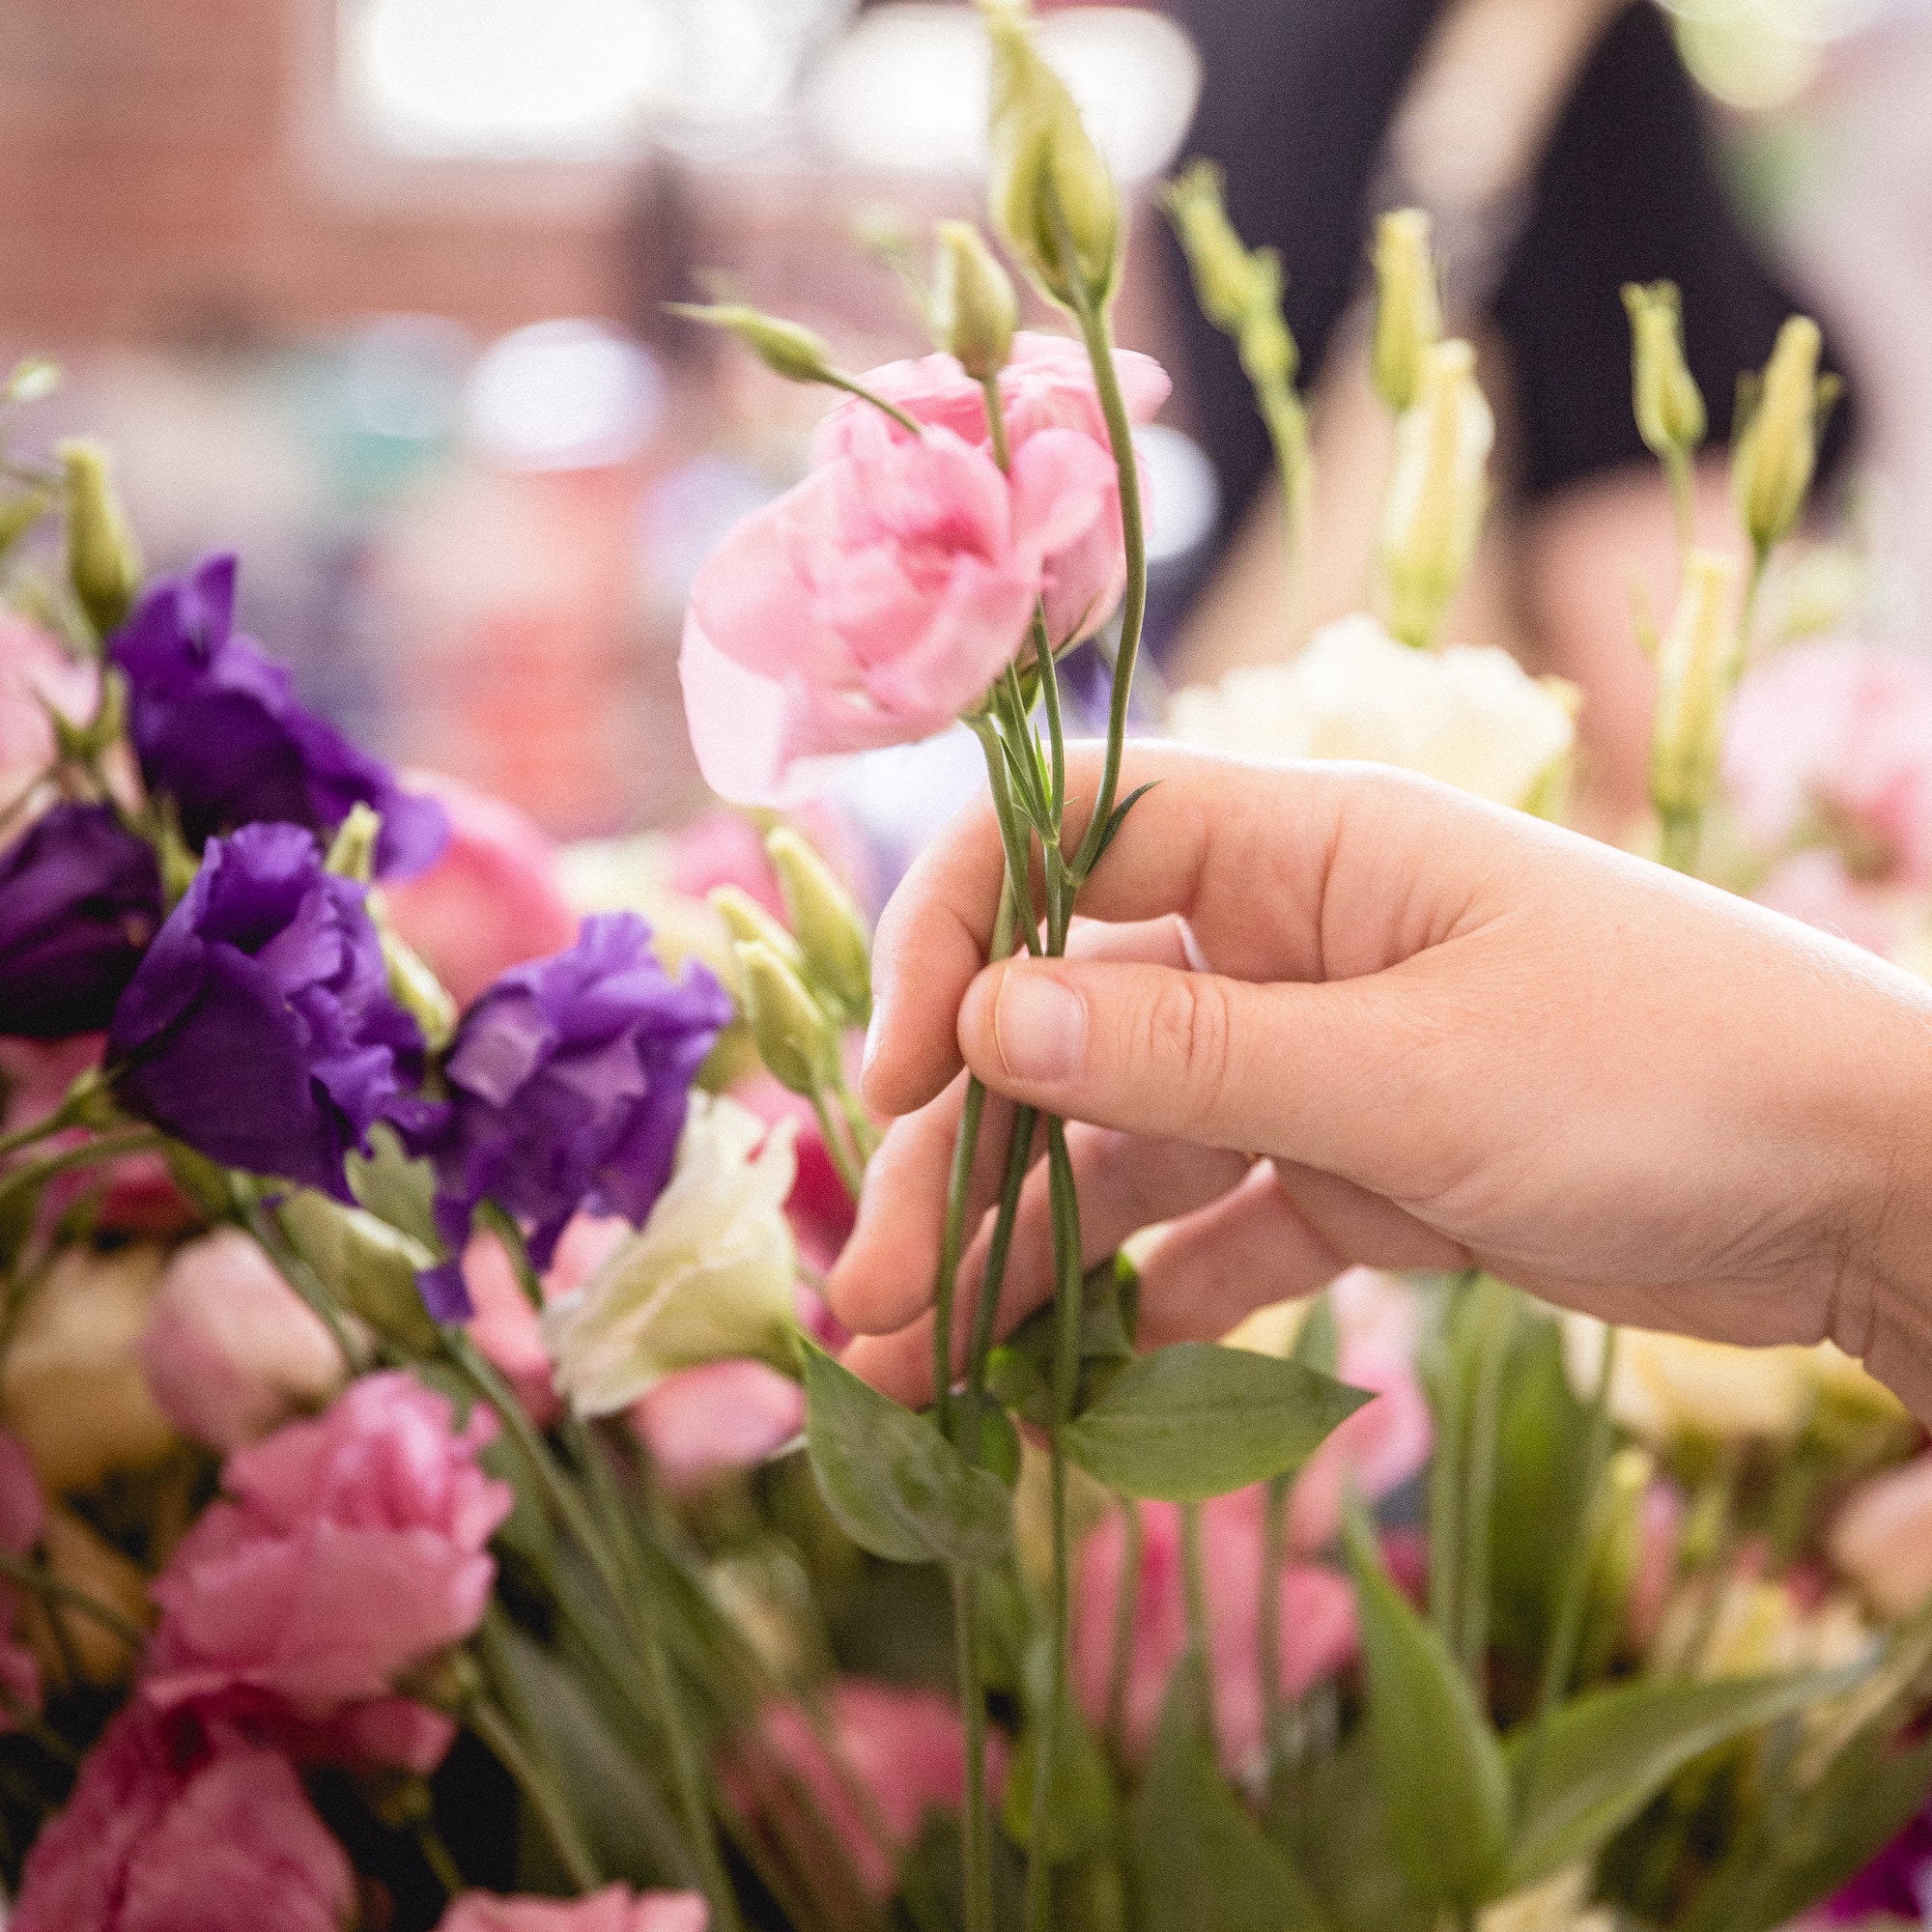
(1126, 1616)
(495, 1729)
(295, 1268)
(1194, 1600)
(436, 1856)
(31, 1577)
(1494, 1343)
(106, 1146)
(1683, 834)
(1019, 855)
(1287, 423)
(976, 1840)
(851, 1176)
(1274, 1702)
(1561, 1656)
(996, 421)
(1683, 502)
(836, 379)
(516, 1250)
(1050, 1724)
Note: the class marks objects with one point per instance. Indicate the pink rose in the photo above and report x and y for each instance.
(1882, 1538)
(35, 673)
(349, 1550)
(614, 1908)
(1317, 1622)
(172, 1831)
(875, 601)
(491, 901)
(231, 1351)
(1844, 730)
(1815, 886)
(904, 1750)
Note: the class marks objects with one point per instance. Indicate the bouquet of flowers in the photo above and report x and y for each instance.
(431, 1493)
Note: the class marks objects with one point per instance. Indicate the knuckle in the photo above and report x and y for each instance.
(1187, 1039)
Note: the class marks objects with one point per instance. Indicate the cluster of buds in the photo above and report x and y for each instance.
(1239, 288)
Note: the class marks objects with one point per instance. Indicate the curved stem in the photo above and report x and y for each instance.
(31, 1577)
(851, 1176)
(836, 379)
(496, 1730)
(1274, 1702)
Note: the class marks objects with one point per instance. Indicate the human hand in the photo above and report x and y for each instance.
(1458, 1037)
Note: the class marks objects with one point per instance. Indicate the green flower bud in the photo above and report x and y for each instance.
(367, 1266)
(416, 988)
(102, 563)
(785, 348)
(831, 933)
(1221, 266)
(1696, 666)
(1051, 197)
(974, 310)
(795, 1038)
(352, 852)
(1408, 311)
(1776, 450)
(1438, 493)
(19, 514)
(750, 924)
(1669, 407)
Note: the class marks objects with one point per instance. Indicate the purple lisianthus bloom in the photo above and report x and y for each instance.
(568, 1082)
(1898, 1883)
(259, 1028)
(218, 729)
(79, 899)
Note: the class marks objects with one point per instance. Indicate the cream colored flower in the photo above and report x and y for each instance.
(1559, 1904)
(1666, 1386)
(708, 1278)
(1469, 715)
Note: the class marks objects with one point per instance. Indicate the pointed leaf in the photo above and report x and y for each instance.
(1081, 1807)
(1335, 1829)
(1604, 1755)
(1445, 1787)
(1200, 1862)
(1118, 818)
(896, 1485)
(1194, 1421)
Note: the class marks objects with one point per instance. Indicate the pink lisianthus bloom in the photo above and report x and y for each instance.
(704, 1422)
(1881, 1538)
(172, 1828)
(614, 1908)
(900, 1755)
(36, 675)
(491, 901)
(231, 1351)
(1815, 886)
(1375, 1451)
(347, 1552)
(878, 599)
(1843, 732)
(1318, 1633)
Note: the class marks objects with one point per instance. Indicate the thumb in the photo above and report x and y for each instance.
(1299, 1071)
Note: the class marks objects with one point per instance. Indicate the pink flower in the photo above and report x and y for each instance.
(1815, 886)
(701, 1423)
(352, 1551)
(903, 1750)
(171, 1829)
(1317, 1622)
(1660, 1525)
(1377, 1449)
(818, 1208)
(231, 1351)
(491, 901)
(614, 1908)
(1882, 1538)
(726, 849)
(1844, 730)
(876, 601)
(35, 673)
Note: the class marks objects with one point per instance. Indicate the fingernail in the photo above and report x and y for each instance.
(1040, 1025)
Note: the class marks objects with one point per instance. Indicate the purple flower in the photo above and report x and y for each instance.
(217, 728)
(259, 1028)
(79, 897)
(568, 1084)
(1894, 1883)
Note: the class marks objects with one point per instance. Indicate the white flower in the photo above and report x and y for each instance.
(1470, 715)
(1666, 1386)
(707, 1278)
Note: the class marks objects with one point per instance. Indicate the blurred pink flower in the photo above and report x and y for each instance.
(818, 1208)
(703, 1422)
(231, 1351)
(1047, 385)
(35, 673)
(1379, 1448)
(614, 1908)
(728, 848)
(1814, 886)
(875, 601)
(1882, 1538)
(905, 1753)
(1317, 1622)
(351, 1550)
(170, 1830)
(1841, 729)
(1659, 1525)
(491, 901)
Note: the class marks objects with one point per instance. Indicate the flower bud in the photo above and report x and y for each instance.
(795, 1038)
(415, 986)
(837, 949)
(1051, 196)
(352, 852)
(1438, 493)
(974, 311)
(1776, 450)
(367, 1266)
(101, 561)
(785, 348)
(1408, 312)
(750, 924)
(1696, 666)
(1669, 407)
(1223, 275)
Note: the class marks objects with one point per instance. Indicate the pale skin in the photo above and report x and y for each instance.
(1329, 1014)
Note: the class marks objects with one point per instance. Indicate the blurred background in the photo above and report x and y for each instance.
(371, 291)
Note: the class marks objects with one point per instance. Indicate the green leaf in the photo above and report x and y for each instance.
(1196, 1420)
(1020, 1369)
(896, 1485)
(1199, 1860)
(1118, 818)
(1334, 1825)
(1444, 1787)
(1604, 1755)
(1081, 1806)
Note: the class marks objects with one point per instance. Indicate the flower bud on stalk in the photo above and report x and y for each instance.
(367, 1266)
(787, 350)
(974, 310)
(1437, 495)
(1051, 196)
(1776, 450)
(102, 563)
(1669, 405)
(750, 924)
(1408, 311)
(831, 933)
(795, 1038)
(1697, 664)
(1238, 289)
(352, 852)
